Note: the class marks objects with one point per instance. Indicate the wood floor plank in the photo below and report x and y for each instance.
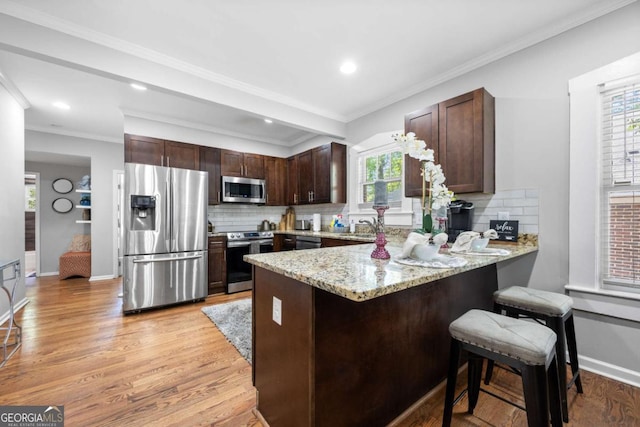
(173, 367)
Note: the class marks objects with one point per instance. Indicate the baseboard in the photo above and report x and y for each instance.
(16, 307)
(96, 278)
(608, 370)
(51, 273)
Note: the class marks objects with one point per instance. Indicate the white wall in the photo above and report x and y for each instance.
(532, 146)
(12, 178)
(57, 229)
(105, 158)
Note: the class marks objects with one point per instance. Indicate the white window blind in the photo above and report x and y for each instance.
(382, 164)
(620, 192)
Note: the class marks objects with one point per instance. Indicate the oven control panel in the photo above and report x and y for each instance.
(250, 235)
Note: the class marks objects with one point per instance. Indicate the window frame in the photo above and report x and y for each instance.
(584, 194)
(362, 158)
(395, 216)
(614, 132)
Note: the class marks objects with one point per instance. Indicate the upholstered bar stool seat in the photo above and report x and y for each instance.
(523, 345)
(556, 311)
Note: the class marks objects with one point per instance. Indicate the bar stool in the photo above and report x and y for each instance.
(523, 345)
(555, 310)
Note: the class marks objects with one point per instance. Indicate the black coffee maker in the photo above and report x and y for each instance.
(460, 218)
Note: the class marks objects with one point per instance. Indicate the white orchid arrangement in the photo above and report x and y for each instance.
(438, 195)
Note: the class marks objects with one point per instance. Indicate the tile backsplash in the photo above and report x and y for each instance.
(522, 206)
(240, 217)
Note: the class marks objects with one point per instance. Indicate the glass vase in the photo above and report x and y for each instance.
(427, 223)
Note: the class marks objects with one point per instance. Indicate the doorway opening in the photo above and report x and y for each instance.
(31, 183)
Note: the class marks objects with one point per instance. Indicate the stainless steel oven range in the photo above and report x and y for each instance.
(239, 244)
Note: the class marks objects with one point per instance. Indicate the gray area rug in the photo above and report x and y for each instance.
(234, 321)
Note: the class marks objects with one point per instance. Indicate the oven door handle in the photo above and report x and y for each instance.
(239, 244)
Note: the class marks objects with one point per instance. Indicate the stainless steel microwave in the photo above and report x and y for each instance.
(237, 189)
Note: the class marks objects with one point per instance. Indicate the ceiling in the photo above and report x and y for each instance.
(224, 66)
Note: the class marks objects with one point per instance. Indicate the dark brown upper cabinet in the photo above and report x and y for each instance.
(293, 186)
(318, 175)
(160, 152)
(236, 163)
(210, 162)
(276, 180)
(461, 131)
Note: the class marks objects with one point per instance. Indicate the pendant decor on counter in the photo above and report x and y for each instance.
(435, 195)
(380, 252)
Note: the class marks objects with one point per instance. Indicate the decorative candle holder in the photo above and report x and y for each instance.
(380, 252)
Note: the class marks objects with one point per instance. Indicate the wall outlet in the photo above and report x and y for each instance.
(503, 216)
(277, 311)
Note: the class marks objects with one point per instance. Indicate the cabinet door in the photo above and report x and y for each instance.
(424, 123)
(181, 155)
(467, 142)
(143, 149)
(276, 180)
(254, 166)
(305, 173)
(328, 242)
(231, 163)
(210, 162)
(217, 277)
(293, 185)
(330, 174)
(321, 192)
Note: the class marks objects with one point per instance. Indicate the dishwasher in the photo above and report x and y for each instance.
(307, 242)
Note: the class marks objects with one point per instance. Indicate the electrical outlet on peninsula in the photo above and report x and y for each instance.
(277, 311)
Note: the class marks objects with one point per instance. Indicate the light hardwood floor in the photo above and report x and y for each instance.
(172, 366)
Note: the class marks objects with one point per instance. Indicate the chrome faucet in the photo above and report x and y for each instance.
(373, 224)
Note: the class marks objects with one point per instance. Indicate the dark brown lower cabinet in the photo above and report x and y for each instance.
(217, 277)
(328, 242)
(337, 362)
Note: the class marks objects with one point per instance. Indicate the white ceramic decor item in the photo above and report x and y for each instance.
(317, 222)
(425, 252)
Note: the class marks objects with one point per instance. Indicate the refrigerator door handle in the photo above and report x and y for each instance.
(136, 261)
(167, 215)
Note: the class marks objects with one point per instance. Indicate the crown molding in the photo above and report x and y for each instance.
(14, 91)
(83, 135)
(63, 26)
(482, 60)
(200, 126)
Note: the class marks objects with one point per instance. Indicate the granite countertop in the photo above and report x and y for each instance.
(359, 237)
(350, 272)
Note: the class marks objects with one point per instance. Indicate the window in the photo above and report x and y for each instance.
(620, 188)
(386, 165)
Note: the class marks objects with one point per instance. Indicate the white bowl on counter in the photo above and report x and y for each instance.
(479, 244)
(425, 252)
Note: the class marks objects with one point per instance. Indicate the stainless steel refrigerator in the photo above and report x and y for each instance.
(165, 236)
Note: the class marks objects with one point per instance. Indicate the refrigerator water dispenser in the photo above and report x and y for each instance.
(143, 212)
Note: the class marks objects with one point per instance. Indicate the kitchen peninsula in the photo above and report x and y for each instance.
(340, 339)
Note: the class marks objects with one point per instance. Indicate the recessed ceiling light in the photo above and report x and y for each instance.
(268, 121)
(348, 67)
(61, 105)
(138, 86)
